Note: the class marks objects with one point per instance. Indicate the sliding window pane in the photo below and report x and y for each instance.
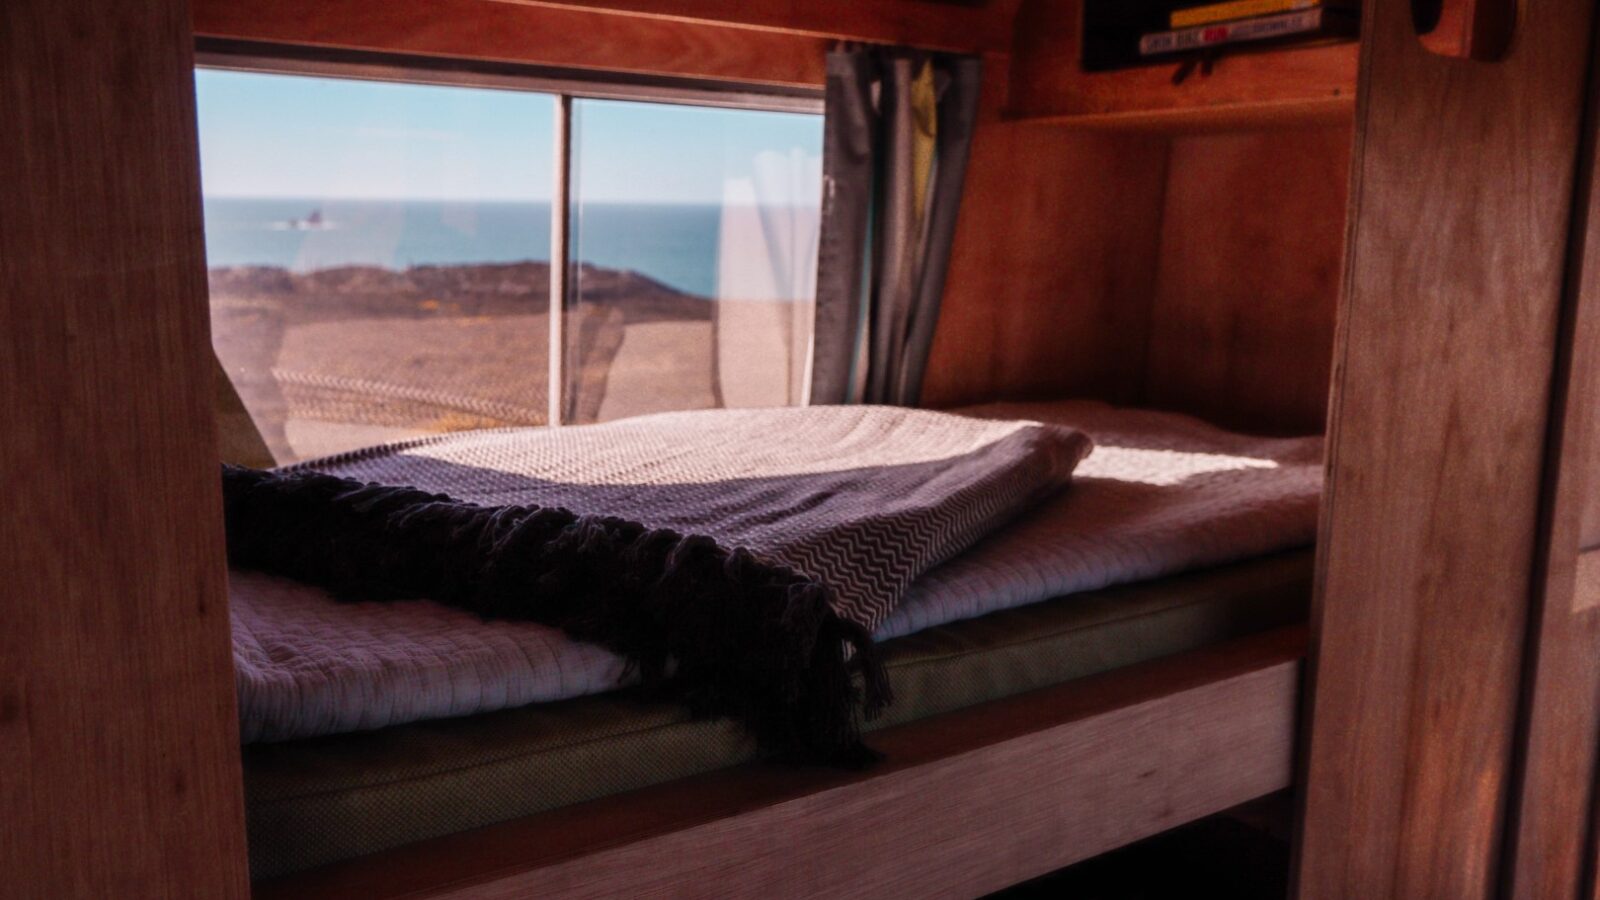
(695, 235)
(378, 255)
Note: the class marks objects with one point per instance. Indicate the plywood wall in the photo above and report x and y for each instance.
(1054, 263)
(756, 43)
(1252, 249)
(1198, 273)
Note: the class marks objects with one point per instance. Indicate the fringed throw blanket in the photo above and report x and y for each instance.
(737, 559)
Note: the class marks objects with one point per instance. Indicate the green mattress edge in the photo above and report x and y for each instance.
(320, 800)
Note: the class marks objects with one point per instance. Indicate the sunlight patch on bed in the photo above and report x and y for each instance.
(1163, 467)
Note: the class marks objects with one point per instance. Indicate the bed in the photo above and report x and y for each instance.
(1174, 539)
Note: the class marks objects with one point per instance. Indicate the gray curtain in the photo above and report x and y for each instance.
(895, 144)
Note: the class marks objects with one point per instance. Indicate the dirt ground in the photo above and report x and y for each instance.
(336, 359)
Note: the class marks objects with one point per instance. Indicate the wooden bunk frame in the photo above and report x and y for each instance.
(1448, 734)
(1062, 773)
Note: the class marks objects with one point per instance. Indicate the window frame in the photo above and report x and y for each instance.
(563, 85)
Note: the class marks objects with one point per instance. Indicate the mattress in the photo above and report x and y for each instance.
(320, 800)
(1160, 494)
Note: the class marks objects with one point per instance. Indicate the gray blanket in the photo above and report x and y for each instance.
(862, 498)
(738, 560)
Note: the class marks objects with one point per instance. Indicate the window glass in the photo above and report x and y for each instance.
(378, 255)
(694, 232)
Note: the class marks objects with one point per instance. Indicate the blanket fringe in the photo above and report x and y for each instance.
(740, 636)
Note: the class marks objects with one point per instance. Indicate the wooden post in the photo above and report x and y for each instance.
(1461, 195)
(1549, 834)
(118, 737)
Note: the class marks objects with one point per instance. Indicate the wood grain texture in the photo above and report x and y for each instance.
(1251, 261)
(118, 735)
(1586, 579)
(971, 27)
(1472, 29)
(1199, 274)
(1589, 500)
(1460, 200)
(1244, 90)
(516, 33)
(1199, 119)
(967, 802)
(1549, 835)
(1051, 273)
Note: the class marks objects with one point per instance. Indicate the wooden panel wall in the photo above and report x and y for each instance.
(1460, 206)
(1051, 275)
(764, 43)
(1198, 273)
(983, 26)
(1252, 253)
(516, 33)
(118, 736)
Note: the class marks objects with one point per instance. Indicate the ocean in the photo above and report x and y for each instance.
(676, 245)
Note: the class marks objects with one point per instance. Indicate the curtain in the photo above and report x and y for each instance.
(239, 437)
(766, 279)
(896, 137)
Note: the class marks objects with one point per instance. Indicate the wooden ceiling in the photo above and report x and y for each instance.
(970, 25)
(777, 43)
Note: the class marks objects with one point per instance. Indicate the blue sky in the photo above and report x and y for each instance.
(294, 136)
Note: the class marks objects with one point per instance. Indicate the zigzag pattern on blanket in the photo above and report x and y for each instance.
(862, 498)
(750, 640)
(877, 559)
(842, 506)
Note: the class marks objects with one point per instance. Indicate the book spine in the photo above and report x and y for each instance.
(1235, 9)
(1261, 29)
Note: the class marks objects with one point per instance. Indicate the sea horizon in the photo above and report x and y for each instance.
(673, 243)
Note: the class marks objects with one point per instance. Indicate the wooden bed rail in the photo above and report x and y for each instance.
(967, 803)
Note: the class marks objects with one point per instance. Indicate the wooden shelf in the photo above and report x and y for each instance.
(1291, 86)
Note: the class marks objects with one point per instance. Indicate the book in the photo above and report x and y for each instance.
(1233, 9)
(1257, 29)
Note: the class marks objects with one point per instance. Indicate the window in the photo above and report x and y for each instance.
(380, 253)
(717, 210)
